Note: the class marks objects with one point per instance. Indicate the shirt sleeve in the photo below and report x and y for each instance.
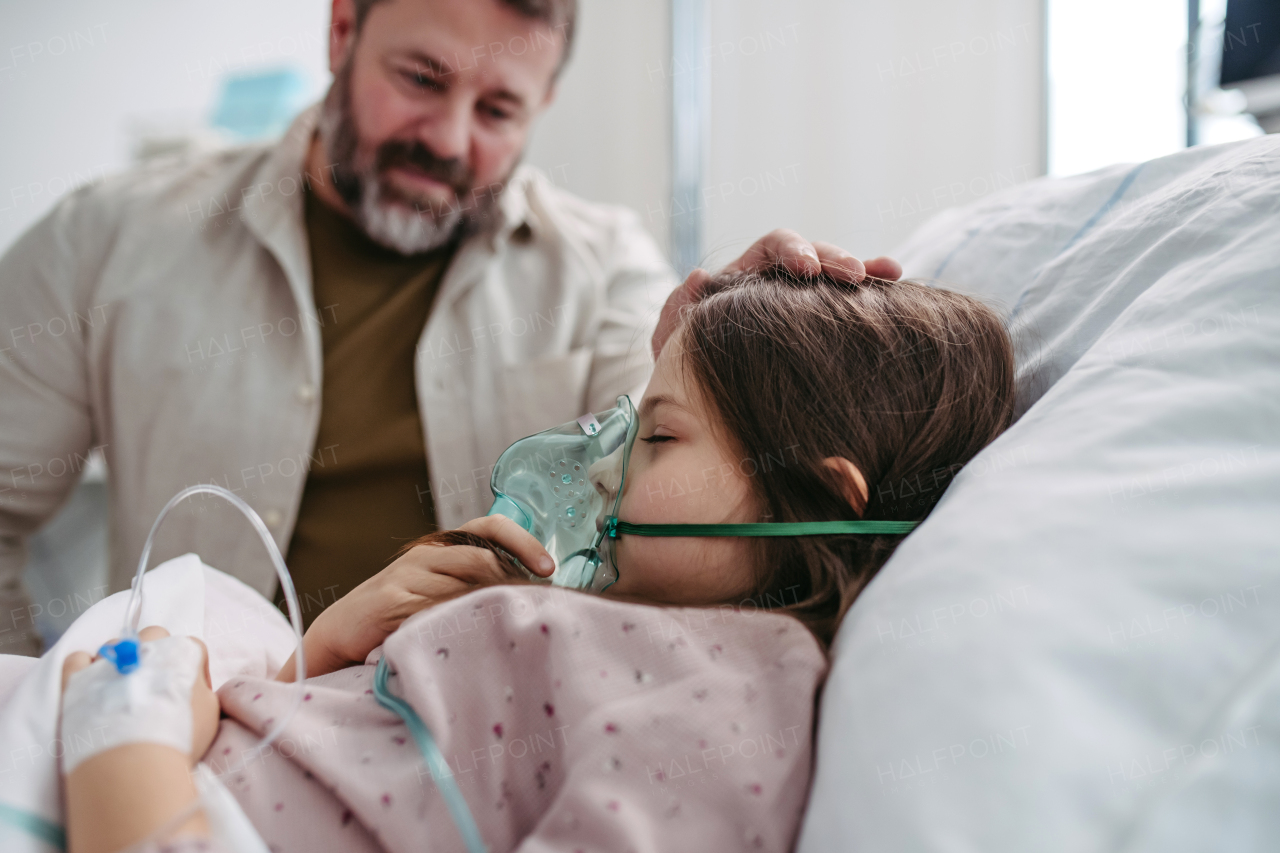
(45, 422)
(639, 281)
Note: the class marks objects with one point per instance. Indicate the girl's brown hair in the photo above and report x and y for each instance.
(906, 381)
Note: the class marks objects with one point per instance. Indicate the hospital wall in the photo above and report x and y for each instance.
(81, 82)
(606, 135)
(848, 121)
(852, 122)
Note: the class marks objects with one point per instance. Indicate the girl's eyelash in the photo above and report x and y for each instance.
(656, 439)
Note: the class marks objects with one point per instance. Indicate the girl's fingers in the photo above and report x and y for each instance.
(74, 662)
(77, 661)
(204, 661)
(515, 540)
(458, 563)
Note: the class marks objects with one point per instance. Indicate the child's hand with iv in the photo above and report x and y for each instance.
(422, 576)
(131, 740)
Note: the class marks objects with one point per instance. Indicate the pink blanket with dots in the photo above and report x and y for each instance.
(568, 722)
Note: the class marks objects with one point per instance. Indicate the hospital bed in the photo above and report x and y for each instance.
(1079, 649)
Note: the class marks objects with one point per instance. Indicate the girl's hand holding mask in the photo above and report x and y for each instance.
(421, 577)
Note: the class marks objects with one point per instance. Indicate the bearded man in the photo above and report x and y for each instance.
(345, 327)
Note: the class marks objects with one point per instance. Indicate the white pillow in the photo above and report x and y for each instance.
(1080, 648)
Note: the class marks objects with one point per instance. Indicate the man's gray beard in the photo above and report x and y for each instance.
(400, 227)
(396, 223)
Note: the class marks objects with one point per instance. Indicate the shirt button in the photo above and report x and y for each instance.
(306, 392)
(272, 517)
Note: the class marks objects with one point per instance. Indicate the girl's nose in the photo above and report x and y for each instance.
(605, 475)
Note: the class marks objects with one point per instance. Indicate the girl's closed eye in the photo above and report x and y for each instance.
(657, 439)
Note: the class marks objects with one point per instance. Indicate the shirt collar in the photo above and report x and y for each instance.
(515, 209)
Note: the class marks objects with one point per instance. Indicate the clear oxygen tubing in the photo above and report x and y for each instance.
(133, 613)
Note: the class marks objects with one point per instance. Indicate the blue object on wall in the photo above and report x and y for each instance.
(261, 104)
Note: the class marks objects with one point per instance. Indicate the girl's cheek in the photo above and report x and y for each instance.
(645, 499)
(640, 569)
(670, 495)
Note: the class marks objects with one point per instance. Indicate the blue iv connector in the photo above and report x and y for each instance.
(123, 653)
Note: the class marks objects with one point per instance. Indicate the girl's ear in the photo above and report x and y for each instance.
(851, 482)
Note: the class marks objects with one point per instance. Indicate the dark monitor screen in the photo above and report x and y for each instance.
(1250, 40)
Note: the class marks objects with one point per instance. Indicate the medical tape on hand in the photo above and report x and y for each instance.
(102, 709)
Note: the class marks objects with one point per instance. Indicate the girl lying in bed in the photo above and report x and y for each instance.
(676, 710)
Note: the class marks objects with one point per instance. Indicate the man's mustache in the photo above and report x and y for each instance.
(417, 156)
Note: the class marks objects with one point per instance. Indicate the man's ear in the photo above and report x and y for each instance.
(342, 33)
(550, 97)
(852, 484)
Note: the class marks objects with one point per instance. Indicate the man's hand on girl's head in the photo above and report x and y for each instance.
(784, 247)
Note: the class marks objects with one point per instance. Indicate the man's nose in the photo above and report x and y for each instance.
(447, 132)
(606, 474)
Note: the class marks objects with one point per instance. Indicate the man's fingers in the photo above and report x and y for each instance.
(680, 297)
(839, 264)
(797, 254)
(74, 662)
(515, 540)
(886, 268)
(692, 287)
(781, 246)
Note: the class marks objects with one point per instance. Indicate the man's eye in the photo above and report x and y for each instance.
(495, 113)
(657, 439)
(422, 81)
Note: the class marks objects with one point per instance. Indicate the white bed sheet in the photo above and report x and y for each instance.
(245, 634)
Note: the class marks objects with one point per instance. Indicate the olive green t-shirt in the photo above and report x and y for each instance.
(367, 492)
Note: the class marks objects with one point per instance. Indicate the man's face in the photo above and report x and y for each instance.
(431, 104)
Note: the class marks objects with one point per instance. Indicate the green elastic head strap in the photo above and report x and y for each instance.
(613, 527)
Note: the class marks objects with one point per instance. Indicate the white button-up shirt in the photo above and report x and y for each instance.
(167, 317)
